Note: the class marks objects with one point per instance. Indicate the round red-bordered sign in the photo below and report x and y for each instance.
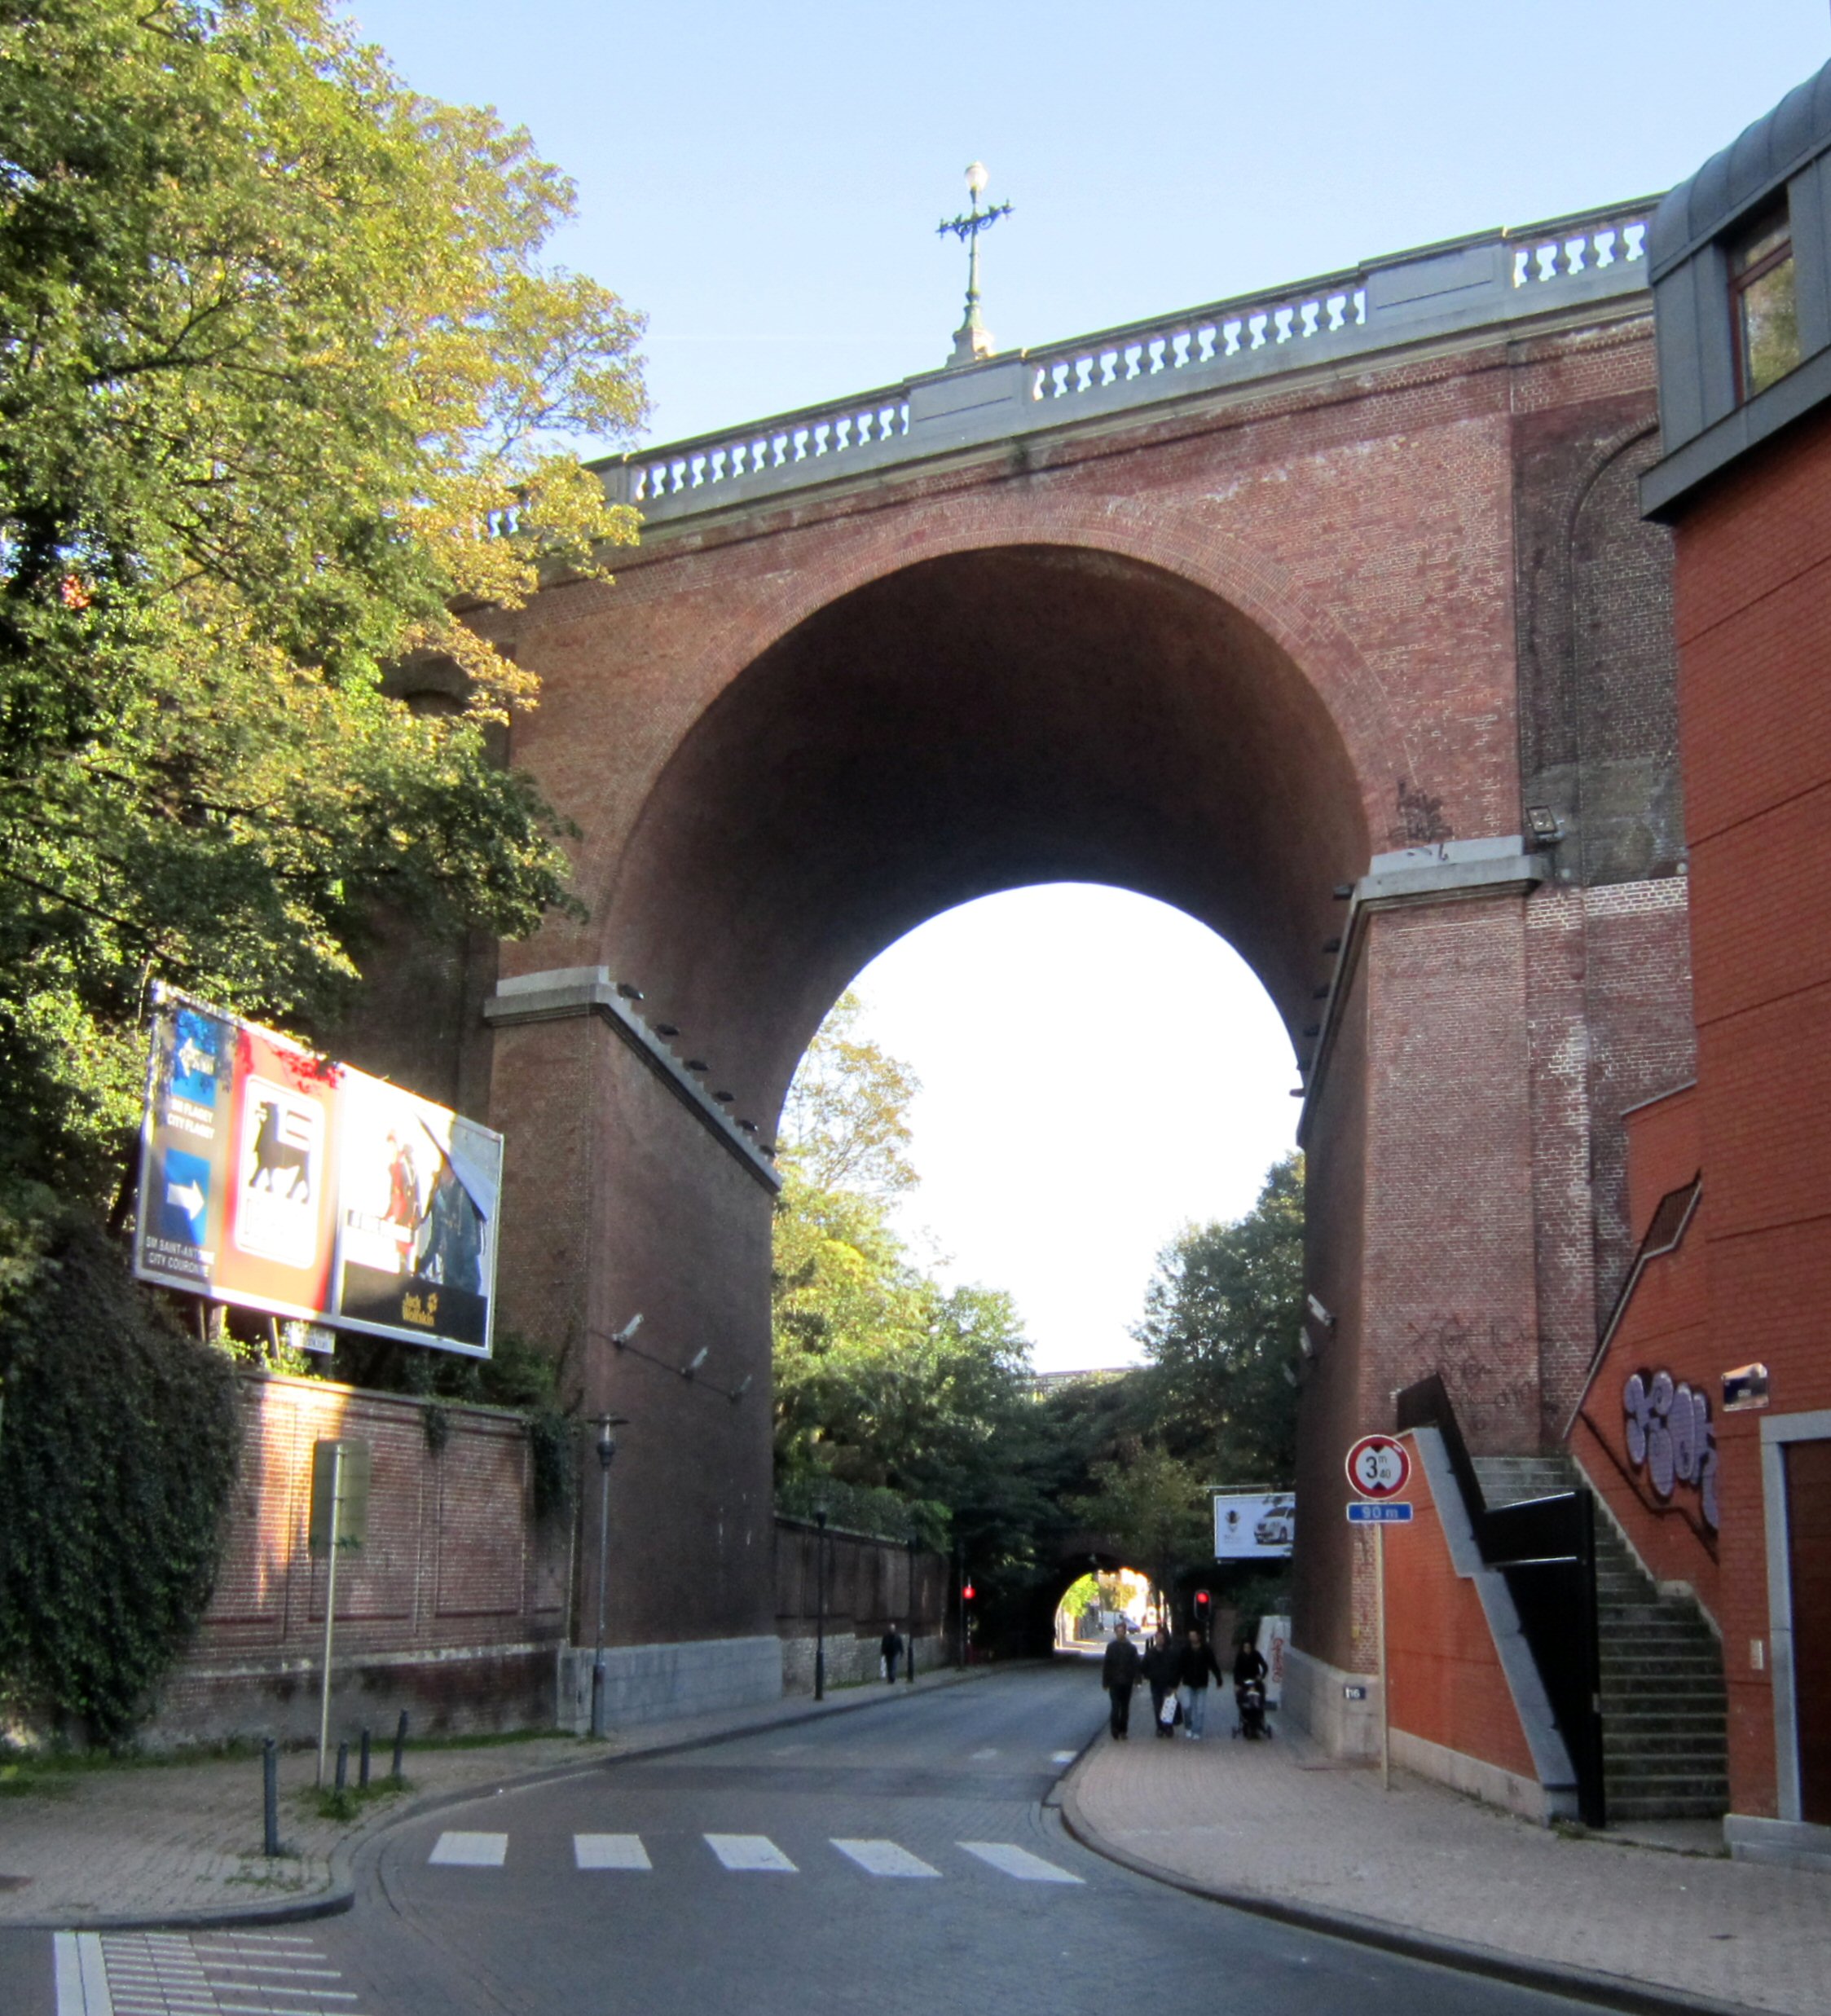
(1378, 1467)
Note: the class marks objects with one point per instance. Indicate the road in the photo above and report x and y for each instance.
(898, 1858)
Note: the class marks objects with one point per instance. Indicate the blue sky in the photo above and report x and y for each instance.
(764, 182)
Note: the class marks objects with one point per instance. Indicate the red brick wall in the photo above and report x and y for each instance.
(1444, 1679)
(453, 1607)
(1753, 613)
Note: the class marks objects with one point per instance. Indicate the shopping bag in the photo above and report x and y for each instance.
(1168, 1713)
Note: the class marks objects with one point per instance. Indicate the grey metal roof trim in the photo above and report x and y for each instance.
(1774, 148)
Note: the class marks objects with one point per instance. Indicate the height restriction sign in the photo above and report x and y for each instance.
(1378, 1467)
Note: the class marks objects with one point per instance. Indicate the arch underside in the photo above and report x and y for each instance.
(971, 723)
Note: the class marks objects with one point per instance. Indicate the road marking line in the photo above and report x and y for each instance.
(1018, 1862)
(750, 1851)
(884, 1858)
(979, 1757)
(1063, 1757)
(471, 1851)
(610, 1851)
(82, 1985)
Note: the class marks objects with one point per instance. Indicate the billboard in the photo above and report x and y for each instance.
(285, 1181)
(1253, 1525)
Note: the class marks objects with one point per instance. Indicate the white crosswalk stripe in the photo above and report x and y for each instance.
(750, 1851)
(1063, 1757)
(1018, 1862)
(610, 1851)
(470, 1851)
(884, 1858)
(228, 1973)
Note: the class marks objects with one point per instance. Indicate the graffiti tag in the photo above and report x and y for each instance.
(1671, 1437)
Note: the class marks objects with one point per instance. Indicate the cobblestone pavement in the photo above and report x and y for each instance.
(1280, 1823)
(167, 1842)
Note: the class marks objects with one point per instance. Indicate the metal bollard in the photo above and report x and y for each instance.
(270, 1794)
(400, 1746)
(362, 1767)
(343, 1766)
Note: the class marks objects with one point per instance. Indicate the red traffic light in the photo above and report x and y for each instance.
(967, 1592)
(1201, 1598)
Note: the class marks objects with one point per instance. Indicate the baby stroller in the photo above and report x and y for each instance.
(1249, 1699)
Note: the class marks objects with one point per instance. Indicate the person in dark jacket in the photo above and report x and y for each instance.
(891, 1647)
(1163, 1667)
(1196, 1667)
(1118, 1675)
(1249, 1673)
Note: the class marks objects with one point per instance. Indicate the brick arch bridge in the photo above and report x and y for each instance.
(1324, 616)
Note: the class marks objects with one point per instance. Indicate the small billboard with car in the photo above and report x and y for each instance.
(1254, 1525)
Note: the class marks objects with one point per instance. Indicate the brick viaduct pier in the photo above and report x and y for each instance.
(1327, 616)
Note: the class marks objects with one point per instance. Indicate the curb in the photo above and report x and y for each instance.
(1580, 1983)
(343, 1859)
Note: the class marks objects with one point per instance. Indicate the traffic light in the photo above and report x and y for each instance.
(967, 1592)
(1203, 1601)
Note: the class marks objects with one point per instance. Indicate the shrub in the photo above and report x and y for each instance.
(118, 1447)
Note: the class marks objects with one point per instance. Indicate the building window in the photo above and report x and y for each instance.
(1764, 301)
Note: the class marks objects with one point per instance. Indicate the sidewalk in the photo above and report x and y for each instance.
(1281, 1828)
(179, 1843)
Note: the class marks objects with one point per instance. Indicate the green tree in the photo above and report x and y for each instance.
(1222, 1315)
(1153, 1506)
(884, 1378)
(284, 383)
(846, 1120)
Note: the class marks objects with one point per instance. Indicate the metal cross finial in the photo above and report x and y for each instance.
(972, 340)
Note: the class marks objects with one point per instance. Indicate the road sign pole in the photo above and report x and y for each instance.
(330, 1605)
(1380, 1623)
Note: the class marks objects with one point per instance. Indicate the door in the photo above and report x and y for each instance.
(1808, 1529)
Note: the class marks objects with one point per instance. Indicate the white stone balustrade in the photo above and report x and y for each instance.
(1488, 280)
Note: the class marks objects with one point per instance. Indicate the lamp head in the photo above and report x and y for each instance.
(976, 179)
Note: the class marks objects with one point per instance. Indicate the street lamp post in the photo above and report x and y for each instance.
(820, 1603)
(606, 1456)
(960, 1582)
(913, 1612)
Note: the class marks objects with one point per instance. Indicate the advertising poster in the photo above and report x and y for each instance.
(1253, 1525)
(280, 1181)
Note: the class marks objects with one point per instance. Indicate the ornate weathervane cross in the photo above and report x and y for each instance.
(972, 340)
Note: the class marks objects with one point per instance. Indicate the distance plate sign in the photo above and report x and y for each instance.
(1378, 1467)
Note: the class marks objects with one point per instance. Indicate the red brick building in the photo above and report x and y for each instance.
(1725, 1485)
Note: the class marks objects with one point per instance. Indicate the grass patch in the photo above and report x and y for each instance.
(328, 1803)
(493, 1740)
(51, 1769)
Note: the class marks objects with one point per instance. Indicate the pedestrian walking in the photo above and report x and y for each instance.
(1197, 1667)
(890, 1646)
(1163, 1668)
(1118, 1675)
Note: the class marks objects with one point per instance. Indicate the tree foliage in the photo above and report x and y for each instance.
(846, 1120)
(884, 1379)
(117, 1450)
(1221, 1319)
(279, 367)
(1152, 1506)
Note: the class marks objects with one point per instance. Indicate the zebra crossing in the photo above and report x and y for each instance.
(756, 1855)
(197, 1974)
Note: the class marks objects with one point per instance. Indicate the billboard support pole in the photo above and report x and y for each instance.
(330, 1605)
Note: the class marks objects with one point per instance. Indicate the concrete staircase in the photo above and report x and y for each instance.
(1664, 1716)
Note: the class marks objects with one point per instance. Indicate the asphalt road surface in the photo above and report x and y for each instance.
(895, 1861)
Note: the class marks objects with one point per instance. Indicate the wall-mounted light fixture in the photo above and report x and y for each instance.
(627, 991)
(695, 1361)
(1322, 1315)
(620, 1338)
